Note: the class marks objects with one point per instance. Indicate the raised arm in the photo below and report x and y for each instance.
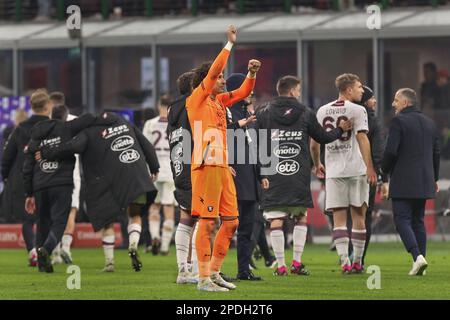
(230, 98)
(206, 86)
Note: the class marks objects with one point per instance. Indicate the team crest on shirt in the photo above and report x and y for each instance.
(210, 208)
(287, 112)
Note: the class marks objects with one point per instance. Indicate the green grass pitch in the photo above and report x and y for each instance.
(157, 278)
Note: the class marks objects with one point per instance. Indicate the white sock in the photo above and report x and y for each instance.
(32, 252)
(299, 241)
(134, 233)
(167, 233)
(182, 239)
(358, 242)
(277, 237)
(108, 248)
(194, 253)
(154, 228)
(341, 239)
(66, 242)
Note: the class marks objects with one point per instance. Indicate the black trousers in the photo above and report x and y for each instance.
(409, 222)
(53, 208)
(259, 236)
(247, 215)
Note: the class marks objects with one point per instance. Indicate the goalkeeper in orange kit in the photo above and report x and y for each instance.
(213, 190)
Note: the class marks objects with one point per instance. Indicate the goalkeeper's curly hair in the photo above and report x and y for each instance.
(200, 73)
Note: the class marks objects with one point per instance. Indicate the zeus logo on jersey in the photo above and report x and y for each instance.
(129, 156)
(122, 143)
(287, 150)
(48, 167)
(285, 135)
(51, 142)
(114, 131)
(288, 167)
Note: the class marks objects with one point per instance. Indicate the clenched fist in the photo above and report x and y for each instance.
(231, 34)
(253, 67)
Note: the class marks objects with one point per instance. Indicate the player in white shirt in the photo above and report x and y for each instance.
(155, 131)
(349, 169)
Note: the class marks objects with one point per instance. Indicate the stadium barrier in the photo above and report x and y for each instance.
(83, 237)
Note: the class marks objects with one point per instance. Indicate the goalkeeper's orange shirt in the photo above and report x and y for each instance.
(207, 116)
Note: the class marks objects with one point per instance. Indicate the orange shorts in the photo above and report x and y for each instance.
(213, 192)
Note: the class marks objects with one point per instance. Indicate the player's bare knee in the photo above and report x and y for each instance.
(276, 224)
(301, 221)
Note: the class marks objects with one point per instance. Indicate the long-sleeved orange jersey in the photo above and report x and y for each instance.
(207, 116)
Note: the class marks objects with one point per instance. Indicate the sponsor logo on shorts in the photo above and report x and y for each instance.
(129, 156)
(48, 166)
(122, 143)
(287, 150)
(288, 167)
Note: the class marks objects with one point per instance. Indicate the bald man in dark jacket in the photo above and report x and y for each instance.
(411, 159)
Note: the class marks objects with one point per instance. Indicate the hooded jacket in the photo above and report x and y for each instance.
(51, 133)
(180, 138)
(11, 168)
(412, 156)
(116, 159)
(292, 125)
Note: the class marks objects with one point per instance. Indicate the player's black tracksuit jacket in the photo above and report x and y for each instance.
(294, 124)
(51, 133)
(12, 165)
(116, 159)
(180, 138)
(51, 182)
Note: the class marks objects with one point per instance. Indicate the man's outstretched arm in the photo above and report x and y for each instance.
(206, 86)
(230, 98)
